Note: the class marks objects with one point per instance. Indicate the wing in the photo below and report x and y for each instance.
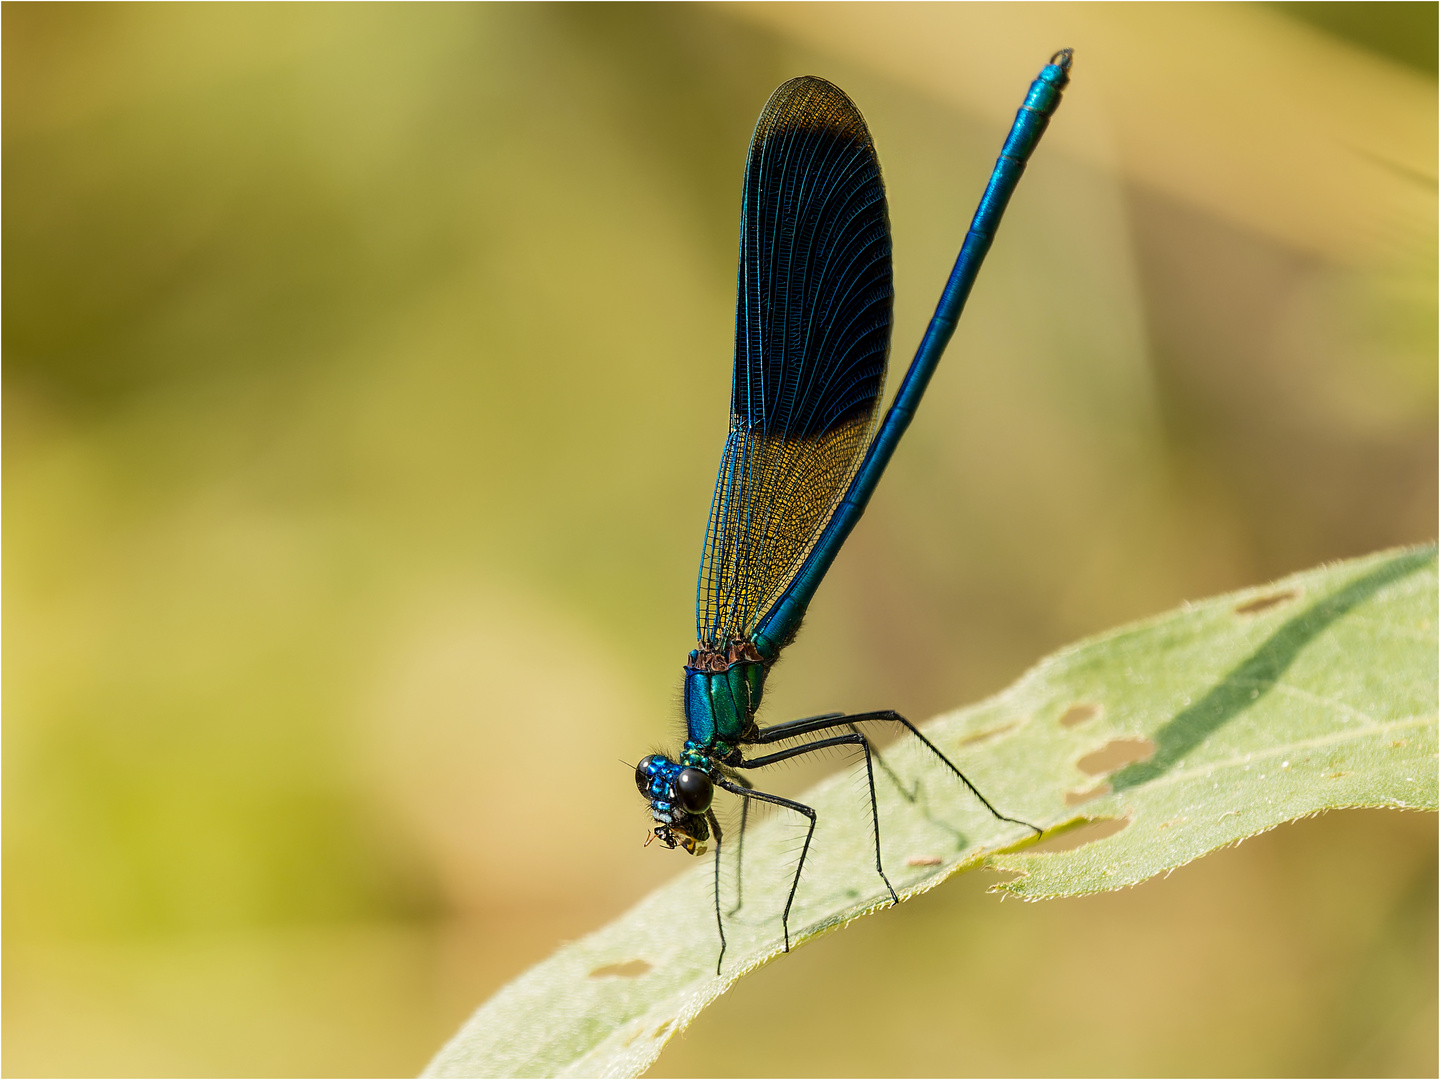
(812, 333)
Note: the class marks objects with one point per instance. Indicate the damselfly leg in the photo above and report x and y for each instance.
(851, 736)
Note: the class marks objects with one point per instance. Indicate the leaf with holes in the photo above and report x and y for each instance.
(1137, 751)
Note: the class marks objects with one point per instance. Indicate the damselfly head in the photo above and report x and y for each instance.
(679, 797)
(663, 782)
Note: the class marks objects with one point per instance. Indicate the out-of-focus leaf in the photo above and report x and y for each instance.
(1137, 751)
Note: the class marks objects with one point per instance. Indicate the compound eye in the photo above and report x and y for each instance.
(694, 791)
(642, 774)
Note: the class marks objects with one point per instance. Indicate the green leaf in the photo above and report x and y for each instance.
(1137, 751)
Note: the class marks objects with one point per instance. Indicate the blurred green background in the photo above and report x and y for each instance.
(365, 374)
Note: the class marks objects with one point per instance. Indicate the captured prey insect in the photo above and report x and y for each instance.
(812, 334)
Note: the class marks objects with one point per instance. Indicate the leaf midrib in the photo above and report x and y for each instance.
(1175, 776)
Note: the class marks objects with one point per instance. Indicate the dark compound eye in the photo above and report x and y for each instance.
(642, 774)
(694, 791)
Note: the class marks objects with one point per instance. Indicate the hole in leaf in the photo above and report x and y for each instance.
(1262, 603)
(1115, 754)
(992, 733)
(924, 860)
(1078, 796)
(1076, 715)
(1088, 833)
(628, 970)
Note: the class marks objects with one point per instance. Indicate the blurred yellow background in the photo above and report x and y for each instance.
(365, 374)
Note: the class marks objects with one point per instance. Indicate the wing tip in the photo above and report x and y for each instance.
(809, 102)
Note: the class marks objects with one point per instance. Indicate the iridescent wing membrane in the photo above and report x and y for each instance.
(812, 333)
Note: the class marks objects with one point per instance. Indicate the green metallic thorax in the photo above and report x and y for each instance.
(722, 693)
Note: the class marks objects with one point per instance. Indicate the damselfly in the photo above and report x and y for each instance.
(803, 456)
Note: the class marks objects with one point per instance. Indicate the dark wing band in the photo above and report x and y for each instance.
(812, 333)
